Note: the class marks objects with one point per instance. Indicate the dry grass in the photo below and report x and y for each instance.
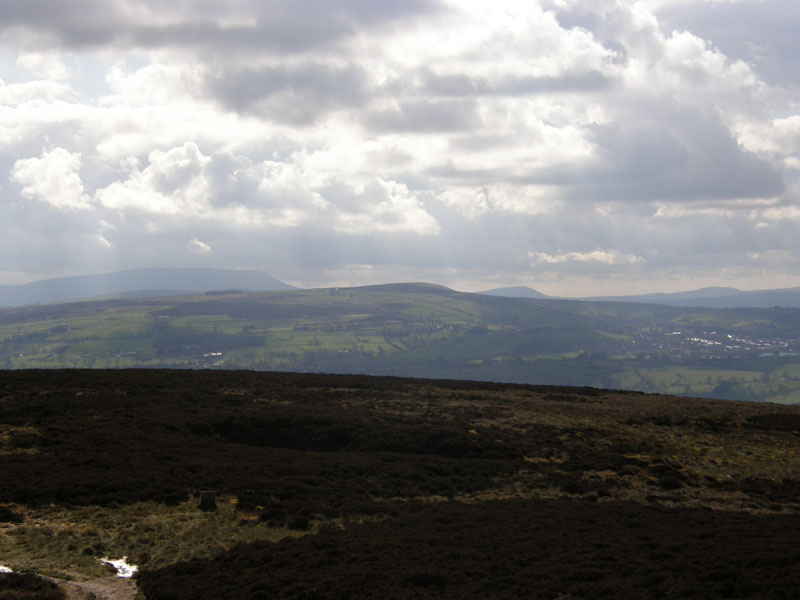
(66, 542)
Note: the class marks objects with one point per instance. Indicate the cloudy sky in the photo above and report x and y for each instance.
(573, 146)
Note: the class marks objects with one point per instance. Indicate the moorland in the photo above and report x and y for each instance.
(423, 330)
(341, 486)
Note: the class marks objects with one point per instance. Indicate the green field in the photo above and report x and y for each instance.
(428, 331)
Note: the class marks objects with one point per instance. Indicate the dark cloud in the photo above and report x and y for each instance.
(74, 23)
(461, 84)
(42, 240)
(609, 24)
(425, 116)
(663, 152)
(295, 94)
(278, 26)
(448, 170)
(763, 34)
(680, 153)
(478, 142)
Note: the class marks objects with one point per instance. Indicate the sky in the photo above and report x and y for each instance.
(579, 148)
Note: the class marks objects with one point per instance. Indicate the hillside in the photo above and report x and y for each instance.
(423, 330)
(717, 297)
(137, 283)
(710, 297)
(342, 486)
(514, 292)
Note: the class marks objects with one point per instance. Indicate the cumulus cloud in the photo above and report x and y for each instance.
(172, 183)
(195, 246)
(295, 94)
(477, 141)
(385, 206)
(53, 179)
(686, 154)
(521, 199)
(424, 116)
(762, 33)
(46, 65)
(597, 256)
(217, 24)
(235, 193)
(297, 193)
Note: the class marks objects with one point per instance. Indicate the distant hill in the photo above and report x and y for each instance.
(407, 288)
(709, 297)
(422, 330)
(515, 292)
(138, 283)
(716, 297)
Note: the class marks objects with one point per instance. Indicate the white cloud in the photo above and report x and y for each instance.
(300, 192)
(46, 65)
(101, 239)
(195, 246)
(471, 202)
(183, 182)
(520, 199)
(53, 179)
(782, 213)
(173, 183)
(601, 257)
(154, 84)
(383, 207)
(16, 94)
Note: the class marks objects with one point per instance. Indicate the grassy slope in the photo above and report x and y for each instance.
(416, 330)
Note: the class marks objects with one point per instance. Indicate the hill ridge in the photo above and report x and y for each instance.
(130, 281)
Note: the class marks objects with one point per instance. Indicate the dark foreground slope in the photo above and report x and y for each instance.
(416, 488)
(511, 549)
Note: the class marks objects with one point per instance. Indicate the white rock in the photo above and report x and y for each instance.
(122, 567)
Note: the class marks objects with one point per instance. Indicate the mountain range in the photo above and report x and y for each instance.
(709, 297)
(155, 282)
(138, 283)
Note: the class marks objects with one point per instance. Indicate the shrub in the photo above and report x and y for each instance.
(299, 523)
(25, 586)
(9, 516)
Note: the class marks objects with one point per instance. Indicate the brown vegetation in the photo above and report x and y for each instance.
(460, 488)
(25, 586)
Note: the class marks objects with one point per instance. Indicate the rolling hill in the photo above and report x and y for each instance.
(423, 330)
(716, 297)
(515, 292)
(710, 297)
(137, 283)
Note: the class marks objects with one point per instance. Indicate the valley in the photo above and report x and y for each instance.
(422, 330)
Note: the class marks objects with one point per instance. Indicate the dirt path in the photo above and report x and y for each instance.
(115, 588)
